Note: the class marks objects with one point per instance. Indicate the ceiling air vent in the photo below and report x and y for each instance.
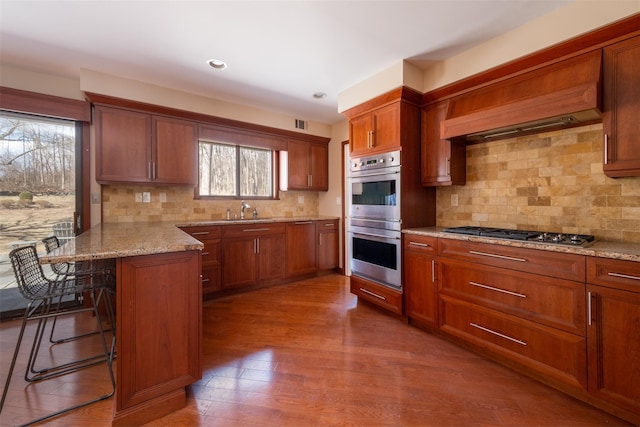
(301, 124)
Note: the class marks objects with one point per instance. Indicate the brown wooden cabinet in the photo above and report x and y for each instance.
(159, 334)
(211, 256)
(420, 279)
(613, 333)
(301, 248)
(252, 254)
(522, 305)
(133, 146)
(308, 165)
(376, 131)
(327, 245)
(382, 296)
(443, 161)
(621, 127)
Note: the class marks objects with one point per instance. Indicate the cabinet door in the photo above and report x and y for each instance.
(386, 128)
(420, 279)
(239, 267)
(271, 257)
(327, 245)
(123, 145)
(361, 134)
(159, 327)
(301, 248)
(175, 151)
(298, 165)
(443, 162)
(621, 127)
(319, 166)
(613, 338)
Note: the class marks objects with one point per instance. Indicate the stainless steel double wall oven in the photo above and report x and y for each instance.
(375, 219)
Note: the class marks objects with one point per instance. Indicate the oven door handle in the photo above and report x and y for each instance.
(379, 236)
(366, 175)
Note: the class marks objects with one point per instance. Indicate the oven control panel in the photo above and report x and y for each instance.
(378, 161)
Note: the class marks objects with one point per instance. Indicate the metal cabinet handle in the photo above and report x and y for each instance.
(448, 171)
(433, 270)
(624, 276)
(373, 294)
(606, 148)
(504, 291)
(329, 225)
(154, 170)
(205, 280)
(510, 258)
(257, 246)
(205, 253)
(303, 222)
(475, 325)
(421, 245)
(248, 230)
(200, 233)
(589, 321)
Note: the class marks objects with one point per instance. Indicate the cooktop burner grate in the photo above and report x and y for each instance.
(525, 235)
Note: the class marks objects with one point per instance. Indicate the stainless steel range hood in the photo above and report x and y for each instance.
(564, 94)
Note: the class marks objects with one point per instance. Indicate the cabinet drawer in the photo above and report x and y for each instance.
(553, 302)
(382, 296)
(530, 344)
(248, 230)
(331, 224)
(203, 232)
(211, 253)
(422, 244)
(546, 263)
(211, 279)
(614, 273)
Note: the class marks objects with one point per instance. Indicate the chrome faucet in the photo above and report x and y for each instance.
(243, 206)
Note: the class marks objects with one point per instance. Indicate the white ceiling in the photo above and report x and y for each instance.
(279, 53)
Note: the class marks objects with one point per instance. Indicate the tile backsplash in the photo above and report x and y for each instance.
(119, 205)
(551, 181)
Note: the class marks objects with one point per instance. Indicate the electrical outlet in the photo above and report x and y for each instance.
(163, 197)
(138, 197)
(454, 200)
(146, 197)
(95, 198)
(338, 200)
(300, 199)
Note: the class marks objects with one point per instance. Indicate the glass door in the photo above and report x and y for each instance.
(37, 192)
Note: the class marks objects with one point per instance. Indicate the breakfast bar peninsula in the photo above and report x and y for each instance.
(158, 312)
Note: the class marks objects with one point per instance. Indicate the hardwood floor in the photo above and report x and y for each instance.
(308, 354)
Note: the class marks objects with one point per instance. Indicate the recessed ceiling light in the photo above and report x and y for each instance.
(217, 64)
(319, 95)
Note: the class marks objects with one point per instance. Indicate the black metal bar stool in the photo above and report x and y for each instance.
(44, 294)
(102, 270)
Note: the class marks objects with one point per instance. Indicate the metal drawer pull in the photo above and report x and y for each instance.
(200, 233)
(303, 222)
(504, 291)
(475, 325)
(205, 280)
(589, 321)
(328, 225)
(422, 245)
(433, 270)
(205, 253)
(510, 258)
(256, 229)
(373, 294)
(624, 276)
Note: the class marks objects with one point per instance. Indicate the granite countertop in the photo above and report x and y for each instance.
(602, 249)
(118, 240)
(251, 221)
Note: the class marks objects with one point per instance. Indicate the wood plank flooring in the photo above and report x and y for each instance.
(308, 354)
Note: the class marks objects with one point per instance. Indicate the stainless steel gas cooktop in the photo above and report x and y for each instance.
(582, 240)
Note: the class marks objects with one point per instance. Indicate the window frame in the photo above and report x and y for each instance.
(275, 195)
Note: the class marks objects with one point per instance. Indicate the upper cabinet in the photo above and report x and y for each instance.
(138, 147)
(621, 124)
(308, 165)
(385, 123)
(443, 161)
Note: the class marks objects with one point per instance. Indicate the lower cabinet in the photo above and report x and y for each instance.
(159, 334)
(380, 295)
(327, 245)
(301, 248)
(613, 333)
(252, 254)
(211, 256)
(420, 279)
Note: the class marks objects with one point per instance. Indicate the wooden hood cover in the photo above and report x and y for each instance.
(564, 94)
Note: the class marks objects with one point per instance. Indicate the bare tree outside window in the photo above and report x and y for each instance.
(234, 171)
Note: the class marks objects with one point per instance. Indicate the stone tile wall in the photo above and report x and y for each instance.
(119, 205)
(551, 181)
